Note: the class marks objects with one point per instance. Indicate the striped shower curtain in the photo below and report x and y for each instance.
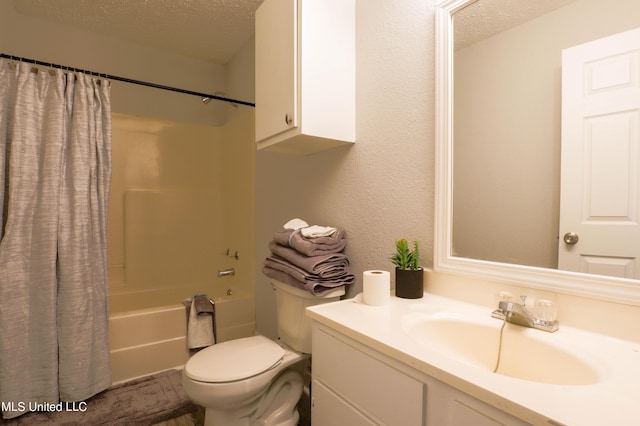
(55, 172)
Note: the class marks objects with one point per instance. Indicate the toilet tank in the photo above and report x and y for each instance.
(294, 328)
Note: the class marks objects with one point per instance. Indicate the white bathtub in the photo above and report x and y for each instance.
(147, 341)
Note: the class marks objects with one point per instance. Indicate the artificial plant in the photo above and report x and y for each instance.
(405, 257)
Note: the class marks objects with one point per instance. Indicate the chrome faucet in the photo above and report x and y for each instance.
(518, 314)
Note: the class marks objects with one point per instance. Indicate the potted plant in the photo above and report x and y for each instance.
(409, 276)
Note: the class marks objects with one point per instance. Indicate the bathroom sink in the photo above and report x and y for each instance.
(526, 354)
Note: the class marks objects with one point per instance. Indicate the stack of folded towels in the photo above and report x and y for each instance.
(309, 257)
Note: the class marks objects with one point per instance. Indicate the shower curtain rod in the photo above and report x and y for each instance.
(127, 80)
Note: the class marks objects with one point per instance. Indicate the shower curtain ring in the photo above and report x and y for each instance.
(12, 63)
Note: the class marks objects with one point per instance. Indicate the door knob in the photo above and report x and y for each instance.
(288, 119)
(570, 238)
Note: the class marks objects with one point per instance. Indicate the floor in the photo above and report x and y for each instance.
(155, 399)
(304, 409)
(197, 418)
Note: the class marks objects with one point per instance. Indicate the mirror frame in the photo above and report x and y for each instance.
(599, 287)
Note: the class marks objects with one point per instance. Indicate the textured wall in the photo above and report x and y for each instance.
(381, 188)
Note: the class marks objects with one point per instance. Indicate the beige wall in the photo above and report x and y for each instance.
(181, 195)
(240, 82)
(507, 138)
(237, 166)
(45, 41)
(164, 191)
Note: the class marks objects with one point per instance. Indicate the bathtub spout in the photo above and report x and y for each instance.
(226, 272)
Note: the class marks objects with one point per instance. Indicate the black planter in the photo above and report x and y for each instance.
(409, 283)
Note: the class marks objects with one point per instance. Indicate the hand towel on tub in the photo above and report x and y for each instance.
(201, 322)
(312, 246)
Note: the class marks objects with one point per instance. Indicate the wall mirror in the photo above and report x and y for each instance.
(499, 94)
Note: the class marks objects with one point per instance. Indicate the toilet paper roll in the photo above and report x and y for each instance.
(376, 288)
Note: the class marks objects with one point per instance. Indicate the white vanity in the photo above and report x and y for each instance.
(430, 361)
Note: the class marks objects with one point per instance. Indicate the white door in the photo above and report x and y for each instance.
(600, 188)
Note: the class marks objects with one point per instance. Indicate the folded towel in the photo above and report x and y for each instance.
(312, 246)
(316, 231)
(201, 322)
(300, 274)
(295, 224)
(317, 288)
(325, 265)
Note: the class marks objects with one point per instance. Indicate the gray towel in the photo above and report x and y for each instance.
(300, 274)
(333, 243)
(325, 266)
(203, 304)
(201, 322)
(317, 288)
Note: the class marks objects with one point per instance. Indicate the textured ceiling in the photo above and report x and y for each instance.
(213, 30)
(486, 18)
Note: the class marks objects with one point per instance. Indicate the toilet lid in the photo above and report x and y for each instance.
(234, 360)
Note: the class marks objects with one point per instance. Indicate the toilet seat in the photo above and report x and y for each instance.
(234, 360)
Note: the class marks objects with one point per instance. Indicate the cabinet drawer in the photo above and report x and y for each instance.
(330, 410)
(469, 411)
(380, 391)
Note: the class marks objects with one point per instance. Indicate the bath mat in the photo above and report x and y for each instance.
(145, 401)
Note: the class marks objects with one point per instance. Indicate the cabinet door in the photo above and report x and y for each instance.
(276, 67)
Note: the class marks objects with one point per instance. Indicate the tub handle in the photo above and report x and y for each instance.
(236, 255)
(226, 272)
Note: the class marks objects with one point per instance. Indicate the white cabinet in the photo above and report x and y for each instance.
(305, 75)
(354, 384)
(349, 384)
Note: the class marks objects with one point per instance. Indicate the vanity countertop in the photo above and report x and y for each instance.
(614, 399)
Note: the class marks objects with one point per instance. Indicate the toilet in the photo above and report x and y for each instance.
(255, 380)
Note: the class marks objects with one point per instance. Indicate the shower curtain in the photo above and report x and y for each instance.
(55, 172)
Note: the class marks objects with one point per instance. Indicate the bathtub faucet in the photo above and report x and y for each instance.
(226, 272)
(518, 314)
